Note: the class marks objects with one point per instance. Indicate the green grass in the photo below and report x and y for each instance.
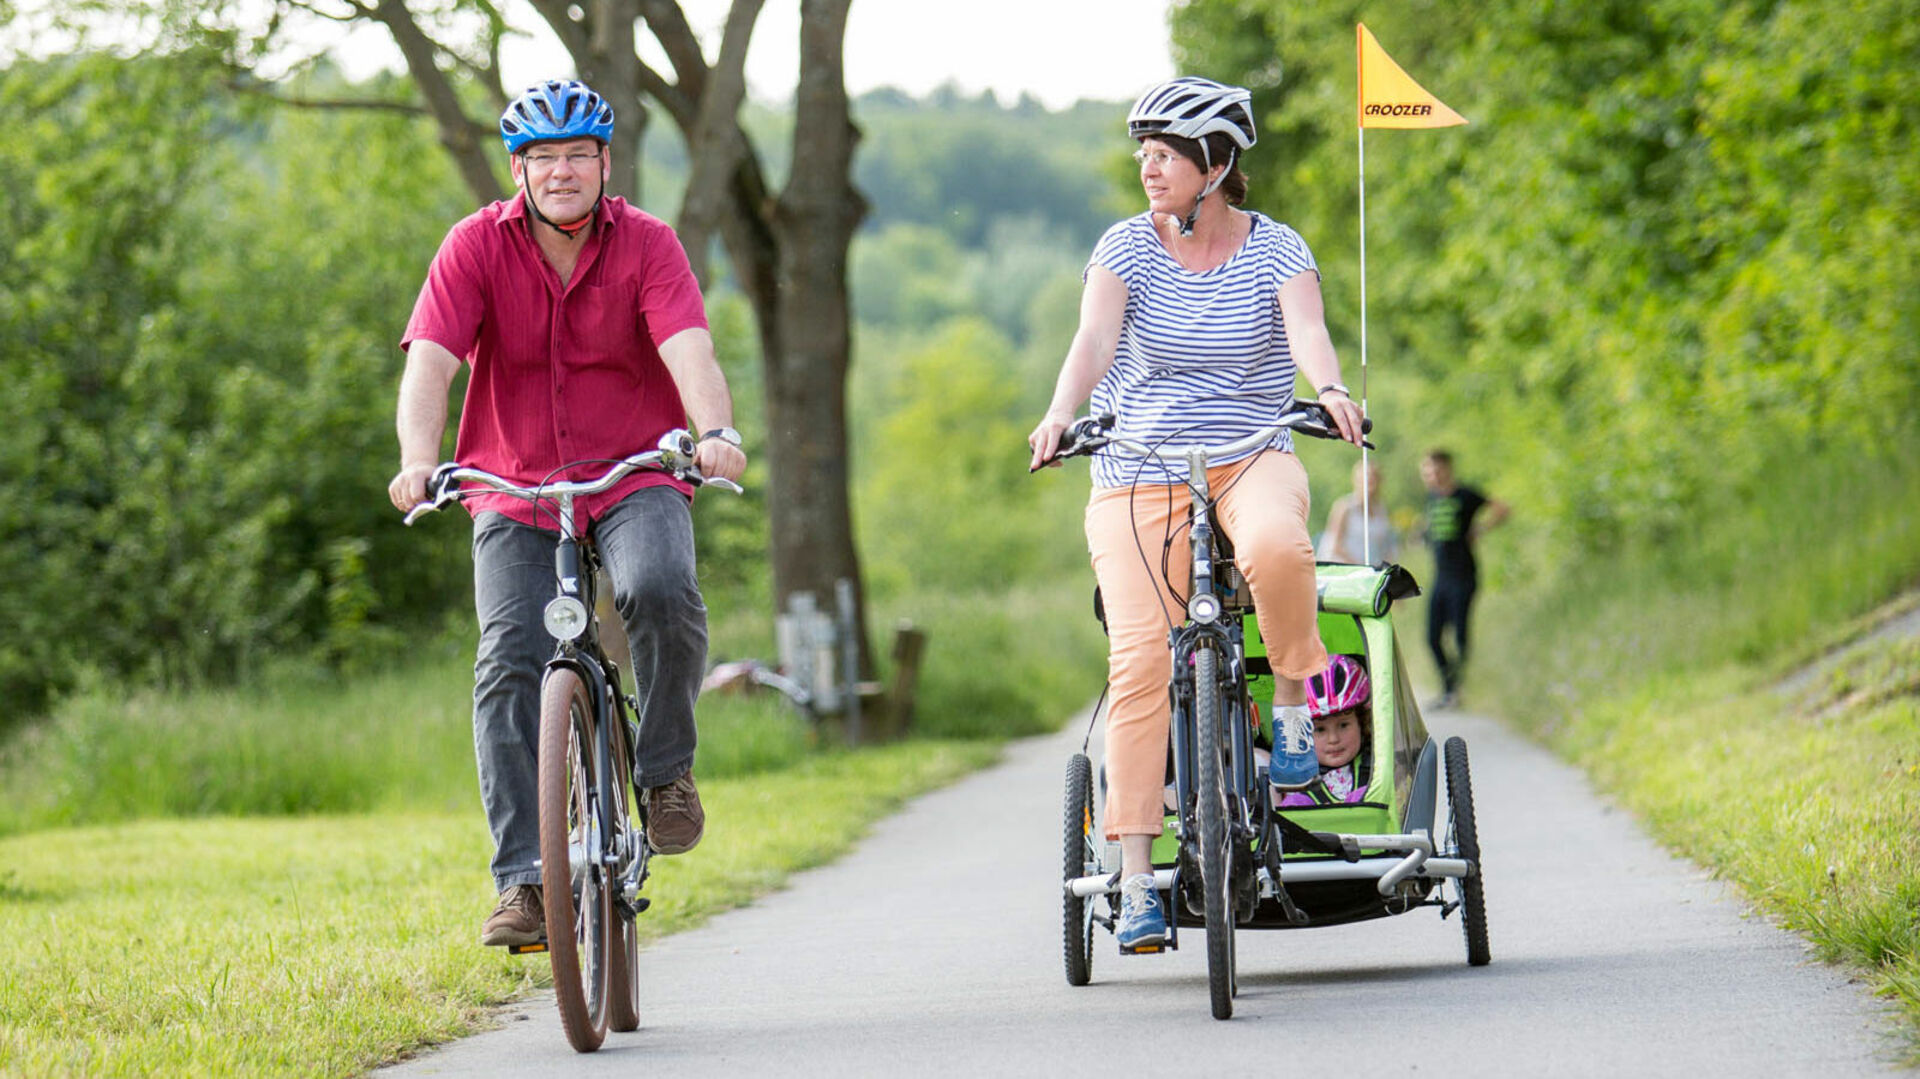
(297, 745)
(1006, 662)
(313, 946)
(288, 878)
(1809, 800)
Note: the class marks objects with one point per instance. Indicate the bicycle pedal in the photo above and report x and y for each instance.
(527, 949)
(1146, 949)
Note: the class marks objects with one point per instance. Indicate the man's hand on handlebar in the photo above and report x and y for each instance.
(408, 488)
(718, 459)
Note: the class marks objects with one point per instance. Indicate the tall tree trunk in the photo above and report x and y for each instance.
(814, 222)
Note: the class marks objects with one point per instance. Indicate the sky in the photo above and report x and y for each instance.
(1057, 50)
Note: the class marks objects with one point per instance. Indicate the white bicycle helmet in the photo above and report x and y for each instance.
(1193, 108)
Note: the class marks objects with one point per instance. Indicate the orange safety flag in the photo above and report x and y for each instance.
(1390, 98)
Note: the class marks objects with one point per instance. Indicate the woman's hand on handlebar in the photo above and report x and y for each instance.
(1045, 439)
(1346, 415)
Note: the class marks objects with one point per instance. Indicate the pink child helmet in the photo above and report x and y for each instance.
(1343, 685)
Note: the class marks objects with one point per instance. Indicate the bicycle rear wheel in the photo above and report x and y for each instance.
(573, 880)
(1216, 842)
(1464, 839)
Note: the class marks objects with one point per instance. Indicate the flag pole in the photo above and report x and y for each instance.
(1396, 101)
(1366, 493)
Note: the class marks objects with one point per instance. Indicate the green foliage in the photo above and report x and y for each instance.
(960, 165)
(104, 155)
(202, 323)
(1011, 660)
(952, 442)
(200, 311)
(1667, 245)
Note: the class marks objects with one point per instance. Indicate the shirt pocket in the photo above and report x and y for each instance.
(603, 325)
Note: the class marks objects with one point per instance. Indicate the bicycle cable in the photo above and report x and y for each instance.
(1094, 718)
(541, 498)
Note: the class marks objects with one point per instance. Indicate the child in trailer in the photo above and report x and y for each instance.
(1338, 699)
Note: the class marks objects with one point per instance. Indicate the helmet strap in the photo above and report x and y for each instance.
(1186, 223)
(572, 232)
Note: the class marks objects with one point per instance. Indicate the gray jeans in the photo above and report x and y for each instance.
(646, 547)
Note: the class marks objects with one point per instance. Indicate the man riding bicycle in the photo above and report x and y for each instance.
(586, 336)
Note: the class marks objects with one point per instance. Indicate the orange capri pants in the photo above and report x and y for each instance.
(1263, 510)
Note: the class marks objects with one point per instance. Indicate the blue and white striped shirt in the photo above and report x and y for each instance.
(1203, 357)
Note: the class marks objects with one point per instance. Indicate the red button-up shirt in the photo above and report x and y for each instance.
(560, 372)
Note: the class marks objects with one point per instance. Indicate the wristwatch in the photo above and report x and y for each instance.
(725, 434)
(1332, 386)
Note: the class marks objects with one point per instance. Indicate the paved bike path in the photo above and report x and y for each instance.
(934, 949)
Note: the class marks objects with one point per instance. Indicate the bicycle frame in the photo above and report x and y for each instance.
(1212, 623)
(576, 571)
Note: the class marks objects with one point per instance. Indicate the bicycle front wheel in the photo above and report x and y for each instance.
(1216, 838)
(623, 953)
(573, 878)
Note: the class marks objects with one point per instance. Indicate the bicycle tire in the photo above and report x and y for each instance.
(577, 904)
(1079, 858)
(1216, 854)
(1465, 840)
(623, 952)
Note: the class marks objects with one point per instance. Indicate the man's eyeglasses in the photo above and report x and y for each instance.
(579, 159)
(1160, 158)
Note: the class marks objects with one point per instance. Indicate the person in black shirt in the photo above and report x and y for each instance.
(1456, 516)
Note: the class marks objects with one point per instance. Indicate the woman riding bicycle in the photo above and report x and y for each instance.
(1194, 319)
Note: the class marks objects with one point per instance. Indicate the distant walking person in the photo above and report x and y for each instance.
(585, 337)
(1457, 516)
(1355, 533)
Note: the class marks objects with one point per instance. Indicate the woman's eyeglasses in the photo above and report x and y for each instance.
(1160, 158)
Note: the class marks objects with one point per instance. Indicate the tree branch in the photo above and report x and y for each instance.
(571, 34)
(668, 25)
(717, 139)
(457, 132)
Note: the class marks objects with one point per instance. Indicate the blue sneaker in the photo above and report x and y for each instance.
(1142, 925)
(1294, 763)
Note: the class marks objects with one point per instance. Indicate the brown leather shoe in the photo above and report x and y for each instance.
(675, 821)
(519, 918)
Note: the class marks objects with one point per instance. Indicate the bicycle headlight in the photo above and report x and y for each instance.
(1204, 608)
(566, 618)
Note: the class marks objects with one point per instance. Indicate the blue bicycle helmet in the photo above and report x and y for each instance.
(556, 109)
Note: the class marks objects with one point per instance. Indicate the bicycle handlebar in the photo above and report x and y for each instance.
(1092, 433)
(673, 456)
